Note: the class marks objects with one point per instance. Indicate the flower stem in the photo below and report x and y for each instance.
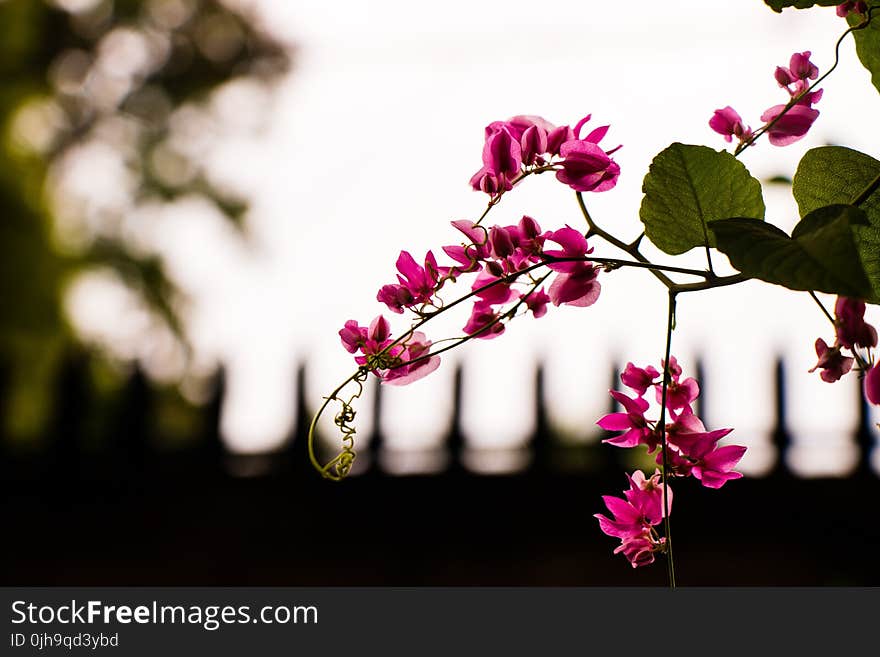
(611, 263)
(822, 307)
(631, 249)
(667, 525)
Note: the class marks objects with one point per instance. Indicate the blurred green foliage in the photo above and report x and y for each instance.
(55, 96)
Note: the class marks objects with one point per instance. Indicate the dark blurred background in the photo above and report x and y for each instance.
(111, 474)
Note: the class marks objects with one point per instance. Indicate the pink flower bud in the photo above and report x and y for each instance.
(801, 67)
(783, 76)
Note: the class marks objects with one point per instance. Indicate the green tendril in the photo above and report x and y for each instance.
(339, 467)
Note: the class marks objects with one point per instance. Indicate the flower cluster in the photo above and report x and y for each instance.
(396, 362)
(784, 123)
(499, 257)
(529, 144)
(691, 450)
(503, 258)
(853, 333)
(635, 516)
(503, 252)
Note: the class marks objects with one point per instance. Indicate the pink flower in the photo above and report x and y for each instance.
(698, 455)
(537, 302)
(632, 422)
(576, 285)
(639, 550)
(489, 183)
(574, 245)
(533, 144)
(807, 99)
(693, 451)
(783, 76)
(498, 292)
(850, 325)
(474, 252)
(638, 379)
(795, 78)
(576, 288)
(792, 126)
(484, 322)
(832, 363)
(872, 385)
(518, 125)
(712, 465)
(595, 136)
(715, 468)
(634, 516)
(801, 68)
(353, 336)
(646, 494)
(794, 122)
(844, 9)
(370, 340)
(679, 393)
(557, 137)
(690, 447)
(586, 167)
(502, 242)
(688, 435)
(413, 363)
(530, 239)
(416, 284)
(727, 122)
(395, 296)
(626, 520)
(642, 507)
(502, 155)
(521, 140)
(400, 364)
(789, 123)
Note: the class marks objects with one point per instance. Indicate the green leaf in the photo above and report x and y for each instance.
(779, 5)
(689, 186)
(821, 254)
(833, 174)
(868, 44)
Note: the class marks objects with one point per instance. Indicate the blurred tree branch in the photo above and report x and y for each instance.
(124, 74)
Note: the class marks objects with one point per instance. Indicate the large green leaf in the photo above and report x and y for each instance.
(779, 5)
(689, 186)
(833, 174)
(868, 44)
(820, 255)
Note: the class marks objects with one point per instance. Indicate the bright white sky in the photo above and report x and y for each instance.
(369, 149)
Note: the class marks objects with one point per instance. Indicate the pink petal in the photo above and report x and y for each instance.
(573, 242)
(408, 266)
(725, 458)
(579, 288)
(635, 406)
(420, 371)
(631, 438)
(598, 134)
(615, 422)
(872, 385)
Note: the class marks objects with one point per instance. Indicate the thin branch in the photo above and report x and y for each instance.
(631, 249)
(822, 307)
(662, 424)
(721, 281)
